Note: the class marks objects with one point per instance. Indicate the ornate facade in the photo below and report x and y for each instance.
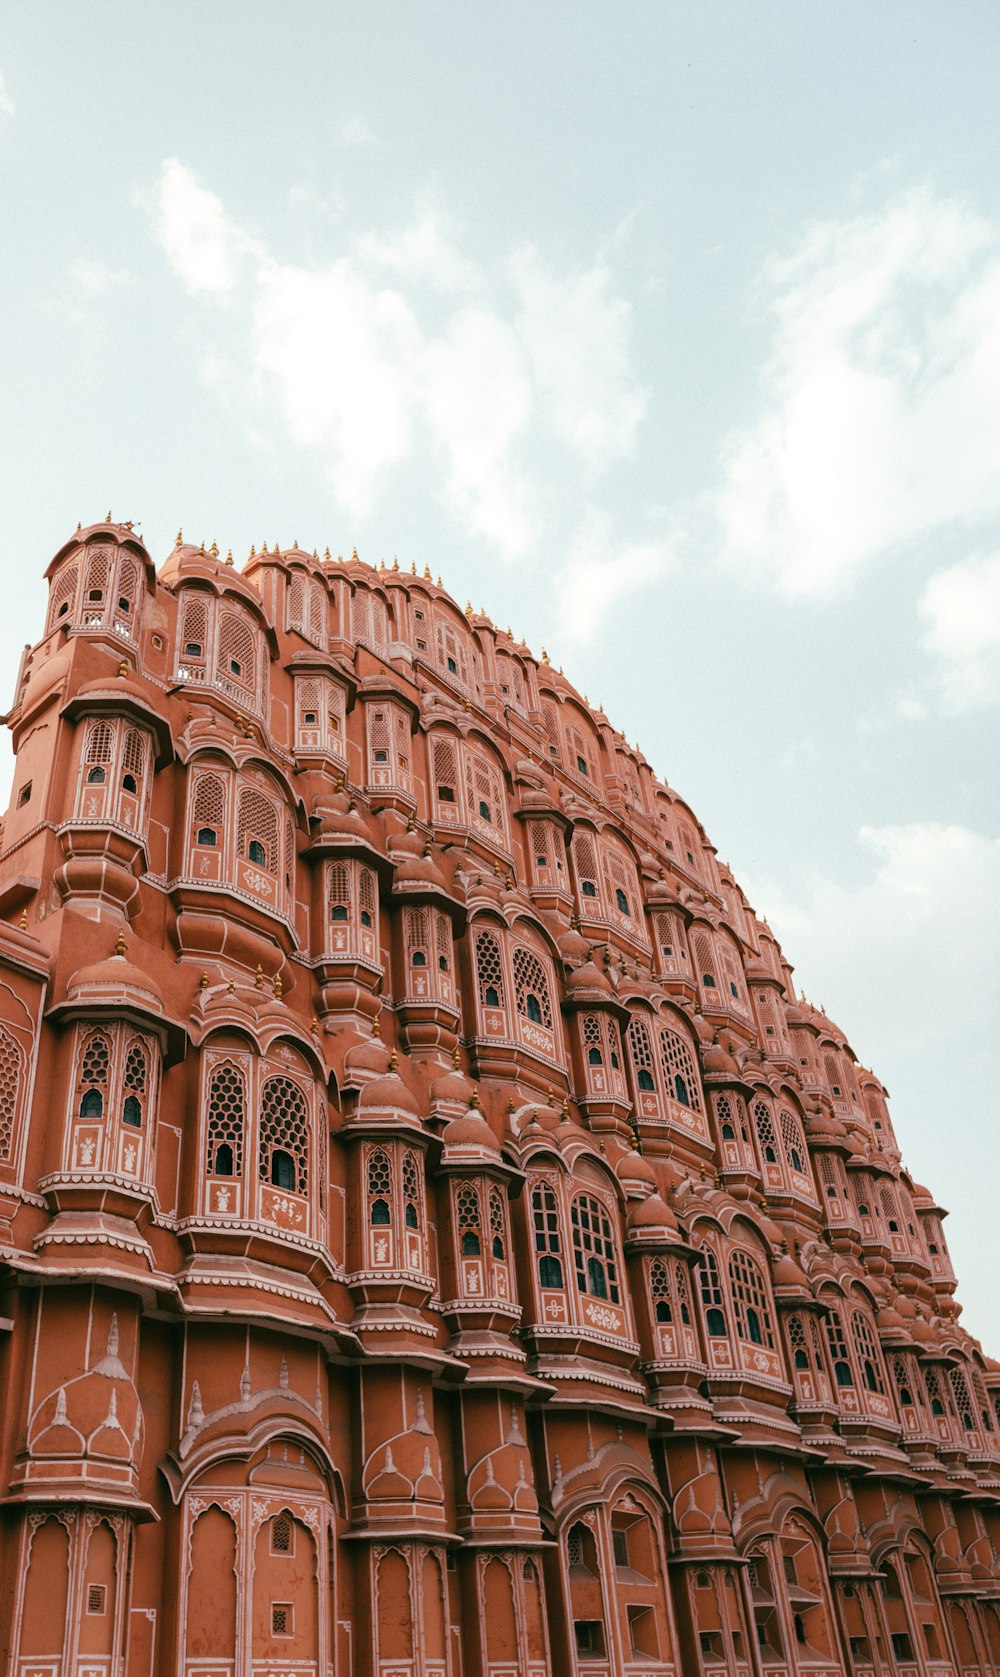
(436, 1238)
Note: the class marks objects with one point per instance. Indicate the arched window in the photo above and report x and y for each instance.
(711, 1295)
(236, 663)
(63, 599)
(136, 1068)
(679, 1071)
(412, 1190)
(659, 1286)
(208, 809)
(641, 1051)
(226, 1121)
(498, 1224)
(489, 970)
(379, 1177)
(470, 1220)
(367, 898)
(963, 1398)
(842, 1371)
(545, 1221)
(284, 1135)
(257, 829)
(766, 1134)
(531, 988)
(793, 1141)
(444, 758)
(99, 751)
(584, 850)
(867, 1352)
(594, 1249)
(10, 1090)
(94, 1072)
(92, 1104)
(751, 1308)
(704, 955)
(797, 1342)
(340, 891)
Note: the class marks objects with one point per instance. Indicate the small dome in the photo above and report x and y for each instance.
(451, 1087)
(786, 1273)
(573, 946)
(388, 1092)
(418, 871)
(470, 1130)
(652, 1213)
(636, 1173)
(366, 1060)
(114, 979)
(588, 978)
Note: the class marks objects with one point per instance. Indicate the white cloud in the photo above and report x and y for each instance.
(355, 134)
(914, 950)
(6, 102)
(598, 572)
(97, 276)
(881, 399)
(204, 247)
(478, 378)
(961, 609)
(577, 336)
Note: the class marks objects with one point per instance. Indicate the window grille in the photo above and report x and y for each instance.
(134, 754)
(592, 1039)
(724, 1117)
(963, 1399)
(484, 792)
(797, 1342)
(659, 1286)
(620, 881)
(208, 806)
(711, 1294)
(705, 959)
(95, 588)
(682, 1291)
(670, 941)
(281, 1535)
(99, 749)
(257, 824)
(545, 1222)
(412, 1197)
(126, 596)
(442, 939)
(380, 1196)
(538, 843)
(370, 620)
(226, 1117)
(367, 897)
(679, 1071)
(97, 1597)
(498, 1223)
(935, 1395)
(867, 1352)
(843, 1373)
(766, 1134)
(236, 657)
(751, 1308)
(194, 630)
(531, 986)
(284, 1128)
(832, 1074)
(470, 1220)
(445, 763)
(135, 1069)
(10, 1083)
(489, 970)
(641, 1049)
(96, 1060)
(282, 1618)
(63, 599)
(890, 1210)
(585, 858)
(793, 1141)
(594, 1249)
(550, 724)
(415, 936)
(339, 894)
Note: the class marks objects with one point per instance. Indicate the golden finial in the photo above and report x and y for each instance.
(395, 563)
(315, 555)
(326, 555)
(201, 545)
(413, 568)
(123, 667)
(411, 825)
(509, 883)
(511, 1109)
(263, 547)
(232, 986)
(381, 564)
(585, 699)
(474, 1098)
(229, 556)
(427, 573)
(203, 981)
(545, 656)
(468, 608)
(315, 1025)
(393, 1060)
(427, 847)
(253, 551)
(295, 545)
(550, 1094)
(214, 549)
(354, 555)
(278, 986)
(439, 582)
(79, 526)
(376, 1027)
(108, 519)
(121, 945)
(23, 924)
(456, 1058)
(565, 1110)
(258, 982)
(178, 540)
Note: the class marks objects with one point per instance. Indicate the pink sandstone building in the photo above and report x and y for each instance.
(436, 1238)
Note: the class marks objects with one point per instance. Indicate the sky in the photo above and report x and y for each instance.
(667, 333)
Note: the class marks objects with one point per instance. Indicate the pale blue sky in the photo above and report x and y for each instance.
(668, 333)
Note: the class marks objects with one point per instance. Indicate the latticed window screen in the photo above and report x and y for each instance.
(236, 657)
(530, 983)
(226, 1121)
(284, 1126)
(767, 1136)
(890, 1210)
(445, 759)
(194, 629)
(96, 1060)
(867, 1351)
(136, 1068)
(545, 1224)
(135, 753)
(620, 881)
(339, 894)
(257, 823)
(660, 1290)
(963, 1399)
(208, 806)
(833, 1077)
(281, 1535)
(442, 940)
(484, 791)
(379, 1176)
(415, 936)
(452, 658)
(594, 1249)
(98, 569)
(469, 1216)
(370, 620)
(794, 1141)
(10, 1085)
(127, 592)
(412, 1196)
(585, 860)
(550, 723)
(751, 1308)
(641, 1049)
(670, 942)
(797, 1341)
(837, 1340)
(592, 1043)
(367, 896)
(539, 845)
(498, 1222)
(63, 599)
(99, 748)
(704, 956)
(679, 1070)
(682, 1291)
(489, 970)
(710, 1283)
